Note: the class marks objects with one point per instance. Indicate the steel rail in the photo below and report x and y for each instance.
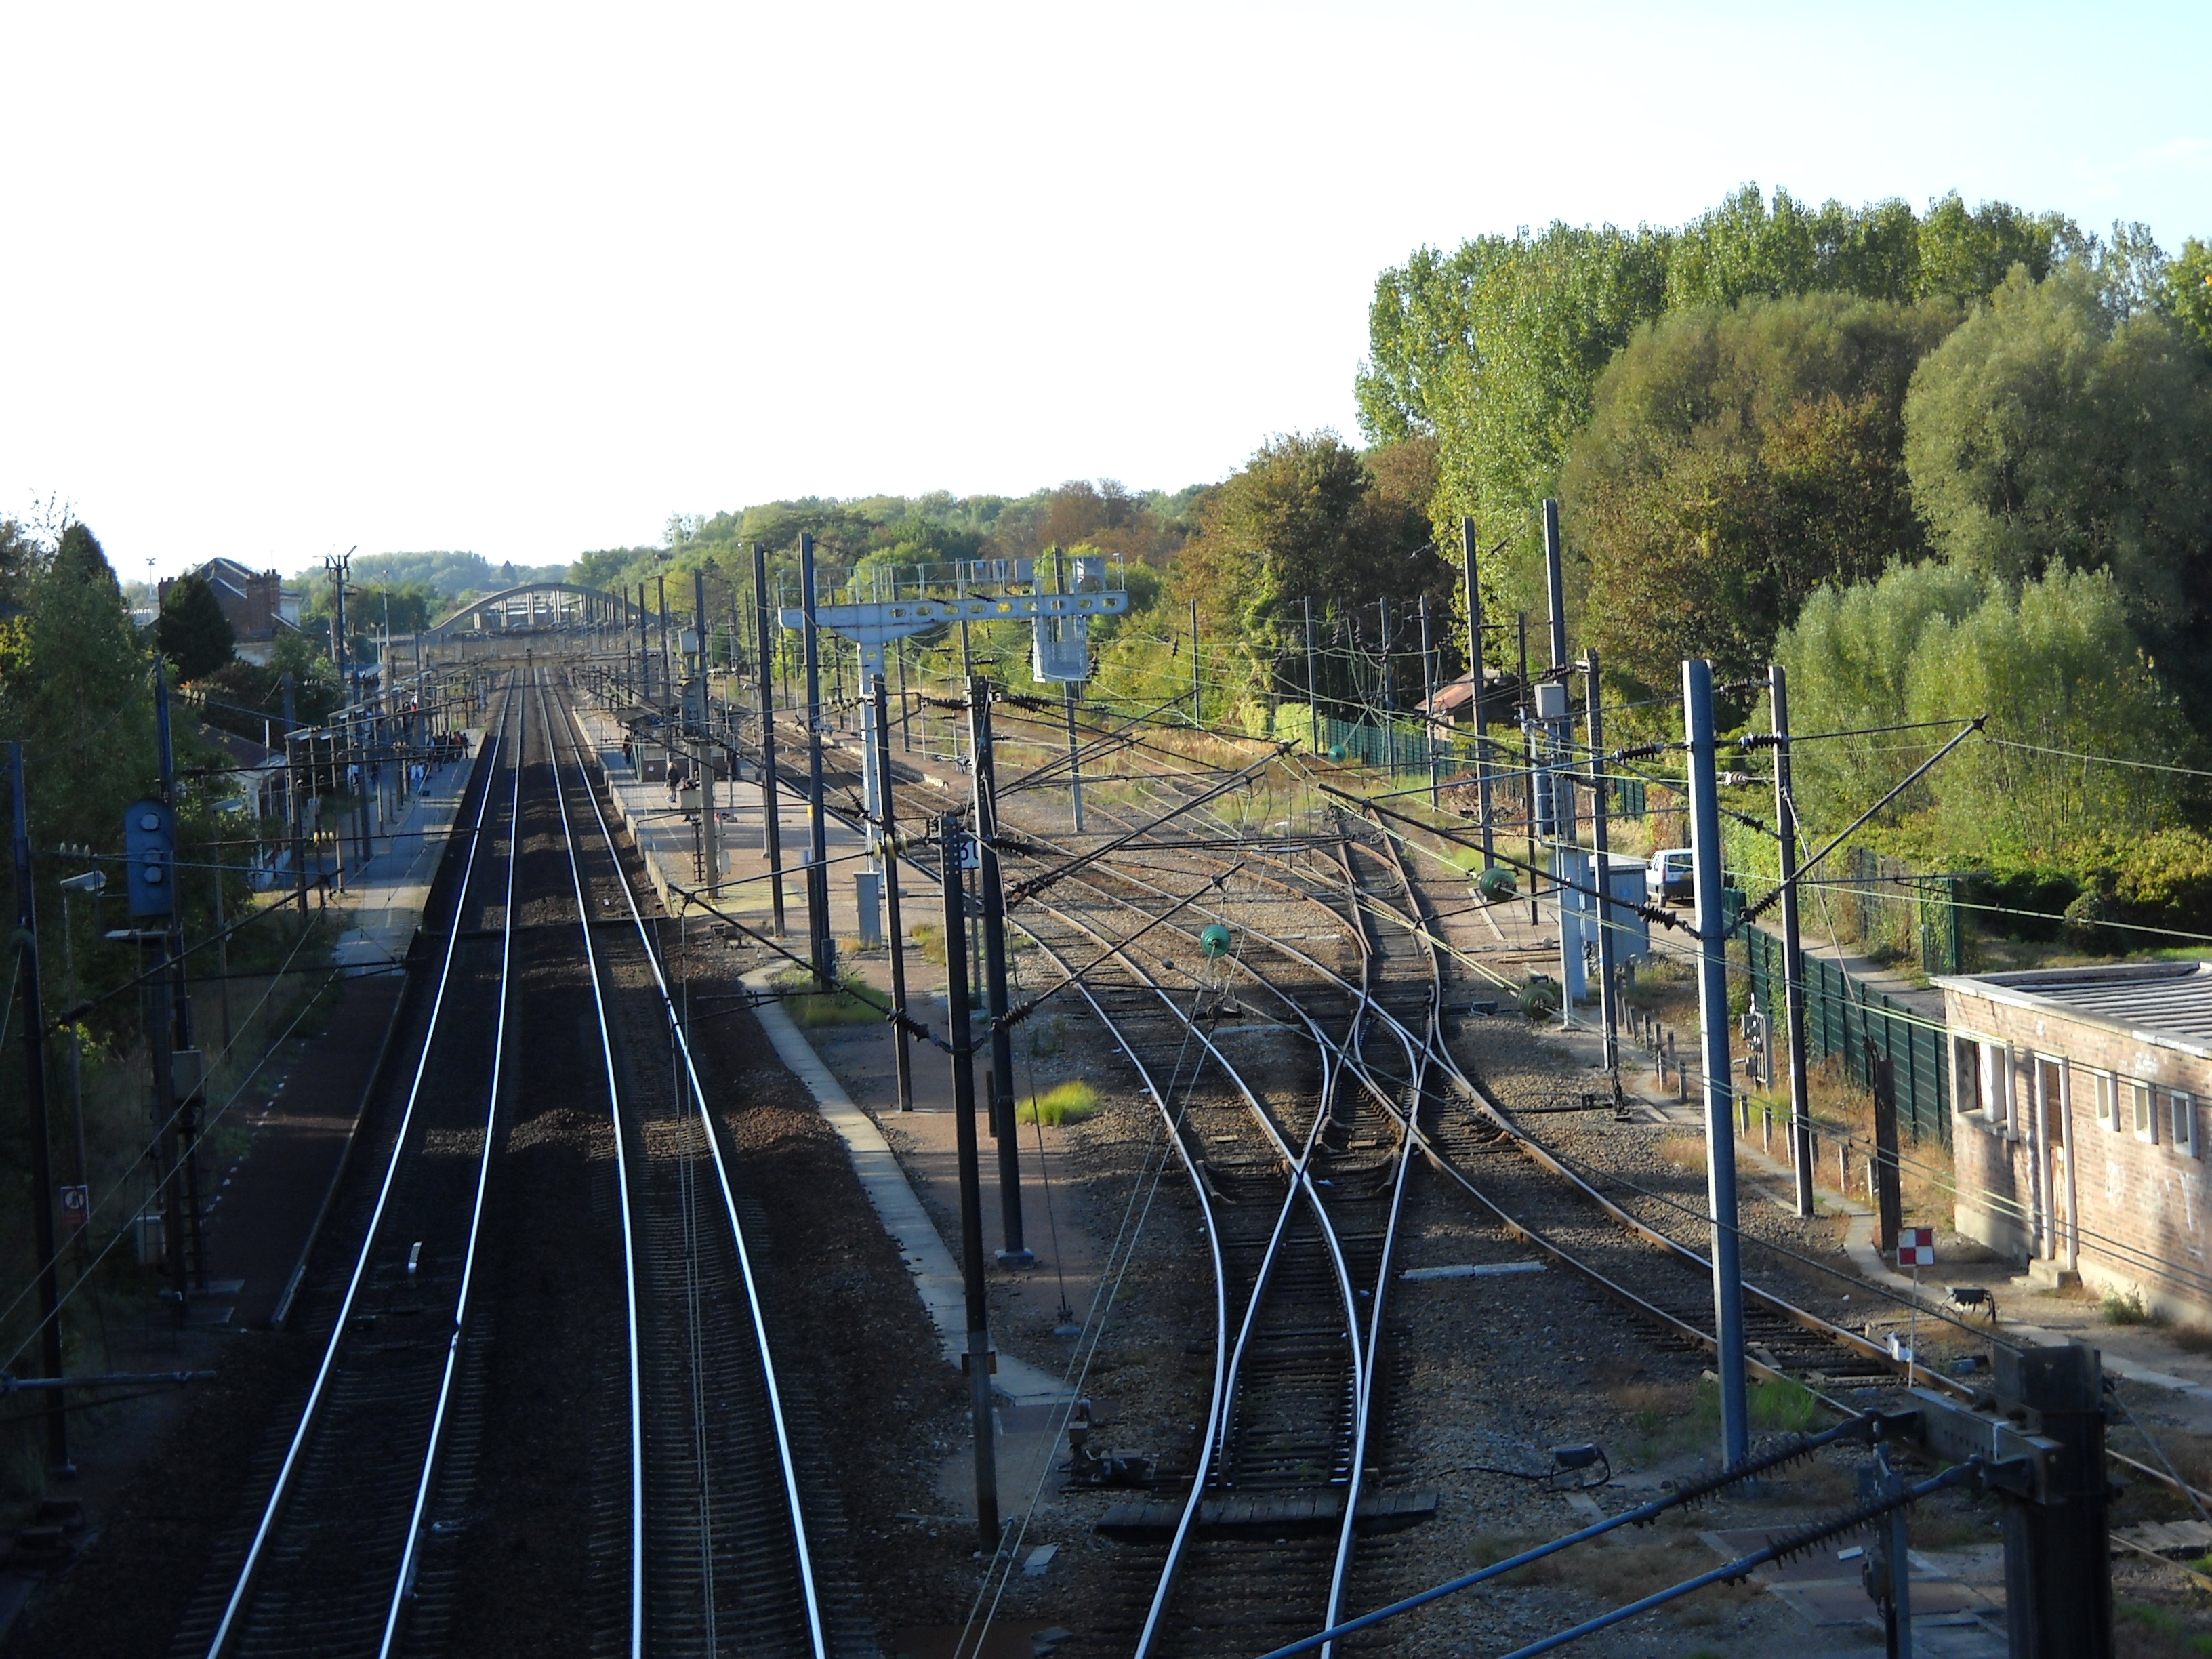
(1409, 1132)
(1494, 1110)
(621, 1188)
(433, 1450)
(227, 1630)
(578, 742)
(1335, 1061)
(1217, 1414)
(1299, 1184)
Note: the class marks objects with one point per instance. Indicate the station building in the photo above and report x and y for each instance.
(2081, 1098)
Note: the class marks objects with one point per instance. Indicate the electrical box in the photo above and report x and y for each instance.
(149, 854)
(187, 1071)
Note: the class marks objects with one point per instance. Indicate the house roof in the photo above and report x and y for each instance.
(243, 750)
(2156, 1001)
(1457, 694)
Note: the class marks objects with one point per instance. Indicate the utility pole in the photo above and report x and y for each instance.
(993, 892)
(1609, 1015)
(1429, 703)
(170, 1028)
(887, 829)
(1793, 945)
(1313, 705)
(292, 801)
(703, 745)
(1478, 687)
(1528, 744)
(1067, 694)
(42, 1156)
(771, 829)
(340, 568)
(976, 1360)
(1555, 582)
(1713, 1021)
(1197, 705)
(821, 946)
(1382, 690)
(906, 707)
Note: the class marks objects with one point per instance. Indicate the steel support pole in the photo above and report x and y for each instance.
(1793, 948)
(977, 1357)
(821, 945)
(1428, 703)
(710, 849)
(771, 825)
(992, 892)
(1608, 1013)
(1067, 696)
(43, 1196)
(1313, 703)
(292, 801)
(1478, 687)
(1197, 693)
(1713, 1020)
(1555, 582)
(1528, 745)
(887, 826)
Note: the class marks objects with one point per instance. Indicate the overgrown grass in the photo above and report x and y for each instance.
(2146, 1630)
(2128, 1308)
(808, 1007)
(929, 940)
(1065, 1103)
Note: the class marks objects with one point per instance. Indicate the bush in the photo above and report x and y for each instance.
(2126, 1308)
(1065, 1103)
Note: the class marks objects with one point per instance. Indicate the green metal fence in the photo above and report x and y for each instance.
(1843, 1016)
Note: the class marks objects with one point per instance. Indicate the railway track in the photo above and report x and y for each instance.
(1583, 1223)
(330, 1566)
(687, 1534)
(720, 1559)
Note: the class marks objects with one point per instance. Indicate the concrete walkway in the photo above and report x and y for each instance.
(384, 895)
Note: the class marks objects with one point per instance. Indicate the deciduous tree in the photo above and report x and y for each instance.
(1737, 460)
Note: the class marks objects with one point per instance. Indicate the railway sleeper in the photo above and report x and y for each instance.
(1314, 1512)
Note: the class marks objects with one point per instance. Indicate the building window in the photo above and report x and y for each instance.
(2108, 1101)
(1996, 1068)
(1966, 1077)
(2181, 1122)
(2140, 1115)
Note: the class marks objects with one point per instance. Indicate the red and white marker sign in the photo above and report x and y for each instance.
(1916, 1247)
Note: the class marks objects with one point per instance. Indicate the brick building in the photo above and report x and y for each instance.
(255, 602)
(2080, 1096)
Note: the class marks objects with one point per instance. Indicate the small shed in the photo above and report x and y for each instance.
(2080, 1095)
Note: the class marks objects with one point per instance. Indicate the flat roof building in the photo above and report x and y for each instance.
(2080, 1095)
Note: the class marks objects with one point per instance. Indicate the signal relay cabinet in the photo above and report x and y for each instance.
(2041, 1427)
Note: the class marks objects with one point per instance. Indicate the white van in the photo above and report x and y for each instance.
(1670, 877)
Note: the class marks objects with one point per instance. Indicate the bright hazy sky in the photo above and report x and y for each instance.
(285, 280)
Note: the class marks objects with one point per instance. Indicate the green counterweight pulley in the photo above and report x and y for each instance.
(1214, 941)
(1496, 882)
